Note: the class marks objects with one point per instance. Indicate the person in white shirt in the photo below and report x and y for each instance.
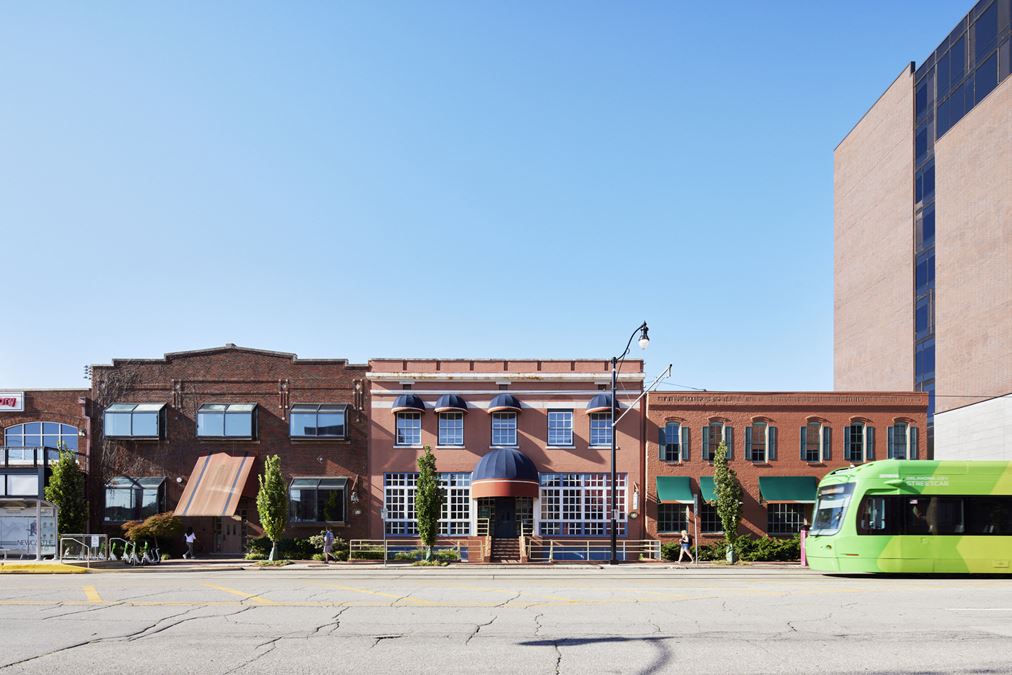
(191, 539)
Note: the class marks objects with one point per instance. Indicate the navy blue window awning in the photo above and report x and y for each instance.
(450, 402)
(600, 403)
(407, 402)
(504, 403)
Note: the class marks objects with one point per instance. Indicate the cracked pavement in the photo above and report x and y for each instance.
(494, 620)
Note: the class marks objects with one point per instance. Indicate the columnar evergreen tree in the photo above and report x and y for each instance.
(428, 501)
(272, 501)
(727, 489)
(66, 490)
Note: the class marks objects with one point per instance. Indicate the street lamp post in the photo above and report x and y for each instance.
(615, 360)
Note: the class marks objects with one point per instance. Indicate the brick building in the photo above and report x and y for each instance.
(780, 445)
(533, 436)
(188, 432)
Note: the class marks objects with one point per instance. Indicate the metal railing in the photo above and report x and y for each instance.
(15, 456)
(591, 550)
(86, 547)
(387, 549)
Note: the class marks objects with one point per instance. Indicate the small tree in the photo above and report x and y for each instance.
(272, 502)
(159, 526)
(428, 501)
(728, 492)
(66, 490)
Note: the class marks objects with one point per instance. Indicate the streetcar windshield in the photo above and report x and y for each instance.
(830, 508)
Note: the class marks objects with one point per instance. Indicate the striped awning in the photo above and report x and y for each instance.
(215, 485)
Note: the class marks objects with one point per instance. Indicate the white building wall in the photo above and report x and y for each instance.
(979, 431)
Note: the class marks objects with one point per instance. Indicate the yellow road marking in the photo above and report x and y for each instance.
(92, 595)
(242, 594)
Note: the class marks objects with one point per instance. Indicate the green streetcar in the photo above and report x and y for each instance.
(910, 516)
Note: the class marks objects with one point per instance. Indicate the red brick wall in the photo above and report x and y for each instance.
(274, 381)
(786, 411)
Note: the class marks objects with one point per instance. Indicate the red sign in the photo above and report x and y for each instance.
(12, 401)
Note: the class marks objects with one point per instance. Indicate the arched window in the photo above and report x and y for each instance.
(816, 442)
(41, 434)
(761, 441)
(902, 440)
(713, 433)
(673, 442)
(859, 441)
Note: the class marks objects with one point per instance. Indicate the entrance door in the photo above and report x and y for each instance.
(505, 517)
(228, 536)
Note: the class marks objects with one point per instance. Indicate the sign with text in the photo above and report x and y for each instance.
(12, 401)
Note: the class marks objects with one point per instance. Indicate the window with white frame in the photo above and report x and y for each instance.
(504, 429)
(409, 428)
(600, 428)
(757, 441)
(41, 435)
(902, 440)
(785, 518)
(672, 518)
(855, 442)
(672, 450)
(714, 433)
(560, 428)
(579, 504)
(811, 441)
(451, 429)
(709, 521)
(399, 501)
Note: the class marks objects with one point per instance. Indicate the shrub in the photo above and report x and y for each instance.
(370, 553)
(430, 563)
(255, 555)
(273, 563)
(752, 549)
(444, 555)
(288, 549)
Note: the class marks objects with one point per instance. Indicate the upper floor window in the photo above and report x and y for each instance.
(859, 442)
(816, 445)
(409, 428)
(560, 428)
(714, 433)
(312, 420)
(600, 428)
(451, 428)
(504, 428)
(903, 441)
(674, 442)
(227, 420)
(134, 420)
(41, 435)
(761, 441)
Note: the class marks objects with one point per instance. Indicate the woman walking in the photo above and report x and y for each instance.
(685, 541)
(191, 539)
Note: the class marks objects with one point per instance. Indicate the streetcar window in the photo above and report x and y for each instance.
(830, 509)
(989, 515)
(878, 515)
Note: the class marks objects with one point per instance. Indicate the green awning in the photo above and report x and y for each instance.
(674, 490)
(706, 491)
(794, 489)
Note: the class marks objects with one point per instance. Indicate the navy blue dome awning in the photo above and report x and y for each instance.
(600, 403)
(450, 402)
(406, 402)
(504, 472)
(504, 403)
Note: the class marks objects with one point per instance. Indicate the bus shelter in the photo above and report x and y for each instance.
(27, 528)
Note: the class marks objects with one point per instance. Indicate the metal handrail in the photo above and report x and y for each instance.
(641, 548)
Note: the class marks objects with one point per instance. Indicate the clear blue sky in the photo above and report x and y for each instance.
(434, 179)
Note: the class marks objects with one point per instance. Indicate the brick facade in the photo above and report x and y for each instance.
(274, 381)
(788, 412)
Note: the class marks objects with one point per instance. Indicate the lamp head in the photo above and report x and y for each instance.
(644, 336)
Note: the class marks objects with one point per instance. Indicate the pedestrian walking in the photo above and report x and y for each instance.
(191, 540)
(328, 545)
(686, 542)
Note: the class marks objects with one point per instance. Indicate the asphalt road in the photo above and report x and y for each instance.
(559, 620)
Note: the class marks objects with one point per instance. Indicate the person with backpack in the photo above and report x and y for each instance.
(686, 542)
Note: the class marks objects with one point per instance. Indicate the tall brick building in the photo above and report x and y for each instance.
(188, 433)
(923, 239)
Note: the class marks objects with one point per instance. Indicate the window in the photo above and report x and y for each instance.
(811, 442)
(451, 429)
(409, 428)
(830, 507)
(761, 441)
(672, 518)
(41, 435)
(226, 420)
(709, 521)
(560, 428)
(19, 485)
(902, 441)
(317, 500)
(399, 501)
(978, 515)
(986, 77)
(312, 420)
(504, 429)
(713, 433)
(579, 504)
(133, 420)
(985, 32)
(600, 428)
(128, 498)
(785, 518)
(858, 442)
(671, 452)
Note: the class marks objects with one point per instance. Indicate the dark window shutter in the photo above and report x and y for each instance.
(771, 451)
(706, 442)
(729, 439)
(827, 444)
(846, 443)
(869, 439)
(685, 444)
(804, 441)
(748, 443)
(662, 450)
(913, 442)
(891, 445)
